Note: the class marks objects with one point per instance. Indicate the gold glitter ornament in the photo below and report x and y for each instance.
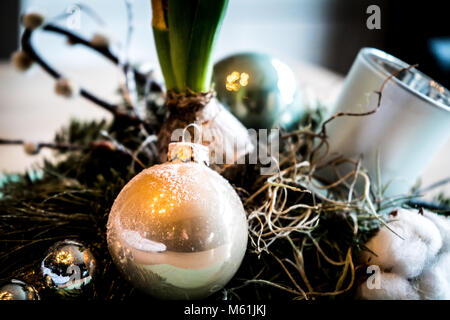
(178, 230)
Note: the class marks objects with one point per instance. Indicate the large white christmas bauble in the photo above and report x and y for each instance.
(178, 231)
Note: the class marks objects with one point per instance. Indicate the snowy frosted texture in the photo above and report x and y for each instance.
(415, 267)
(178, 231)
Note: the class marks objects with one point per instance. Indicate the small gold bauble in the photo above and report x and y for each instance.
(178, 230)
(18, 290)
(68, 266)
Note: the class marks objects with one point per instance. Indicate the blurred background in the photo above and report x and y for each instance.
(319, 39)
(324, 32)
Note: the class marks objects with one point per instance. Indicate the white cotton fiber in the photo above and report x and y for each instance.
(444, 262)
(392, 287)
(434, 283)
(443, 224)
(417, 267)
(410, 255)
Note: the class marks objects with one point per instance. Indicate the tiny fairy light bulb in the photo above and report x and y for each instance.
(178, 230)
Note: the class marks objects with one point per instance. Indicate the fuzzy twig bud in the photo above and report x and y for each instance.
(33, 20)
(100, 41)
(22, 60)
(31, 148)
(66, 88)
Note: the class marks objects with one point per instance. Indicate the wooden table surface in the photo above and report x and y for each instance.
(30, 110)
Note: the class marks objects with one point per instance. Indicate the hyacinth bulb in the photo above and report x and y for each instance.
(178, 230)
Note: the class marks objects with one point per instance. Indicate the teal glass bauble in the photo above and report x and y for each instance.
(261, 91)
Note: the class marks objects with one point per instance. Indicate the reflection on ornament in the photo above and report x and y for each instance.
(259, 90)
(235, 80)
(64, 257)
(178, 230)
(18, 290)
(68, 266)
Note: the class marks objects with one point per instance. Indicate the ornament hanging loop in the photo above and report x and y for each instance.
(195, 126)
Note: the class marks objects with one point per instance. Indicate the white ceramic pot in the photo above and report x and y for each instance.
(410, 127)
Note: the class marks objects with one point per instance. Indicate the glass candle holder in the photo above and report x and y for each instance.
(399, 140)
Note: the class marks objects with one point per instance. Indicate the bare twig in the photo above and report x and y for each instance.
(75, 39)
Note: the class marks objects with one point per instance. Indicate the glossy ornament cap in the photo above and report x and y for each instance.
(178, 230)
(188, 152)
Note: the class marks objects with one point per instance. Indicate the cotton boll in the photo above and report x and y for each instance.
(382, 248)
(434, 282)
(443, 224)
(423, 256)
(444, 264)
(392, 287)
(423, 229)
(410, 255)
(405, 257)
